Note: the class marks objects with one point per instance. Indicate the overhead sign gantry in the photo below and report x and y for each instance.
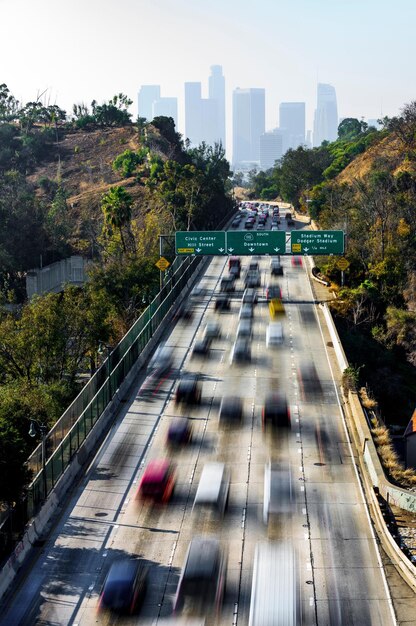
(270, 242)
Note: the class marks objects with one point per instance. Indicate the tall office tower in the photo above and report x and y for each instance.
(271, 148)
(325, 126)
(167, 107)
(193, 113)
(217, 93)
(209, 121)
(147, 95)
(248, 125)
(292, 124)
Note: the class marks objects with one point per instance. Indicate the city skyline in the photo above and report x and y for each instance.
(318, 41)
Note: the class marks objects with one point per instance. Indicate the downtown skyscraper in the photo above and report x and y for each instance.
(325, 126)
(292, 124)
(248, 126)
(217, 93)
(205, 117)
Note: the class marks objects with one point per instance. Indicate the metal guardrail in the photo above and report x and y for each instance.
(72, 428)
(69, 432)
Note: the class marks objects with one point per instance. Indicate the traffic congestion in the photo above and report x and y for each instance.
(225, 492)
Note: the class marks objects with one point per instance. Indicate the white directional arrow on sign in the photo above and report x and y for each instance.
(230, 249)
(221, 249)
(277, 249)
(306, 249)
(198, 249)
(251, 249)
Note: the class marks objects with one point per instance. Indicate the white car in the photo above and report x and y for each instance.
(274, 334)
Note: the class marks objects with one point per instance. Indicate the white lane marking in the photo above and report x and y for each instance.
(243, 520)
(302, 488)
(311, 601)
(306, 537)
(172, 554)
(300, 450)
(304, 511)
(308, 567)
(235, 614)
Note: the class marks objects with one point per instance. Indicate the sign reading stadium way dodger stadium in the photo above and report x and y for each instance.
(222, 242)
(317, 242)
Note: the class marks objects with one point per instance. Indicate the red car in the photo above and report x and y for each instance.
(158, 481)
(297, 261)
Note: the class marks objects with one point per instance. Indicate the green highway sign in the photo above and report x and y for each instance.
(317, 242)
(203, 242)
(256, 242)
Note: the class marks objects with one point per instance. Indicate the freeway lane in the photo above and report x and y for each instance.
(340, 580)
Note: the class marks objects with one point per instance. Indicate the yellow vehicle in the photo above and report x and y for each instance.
(276, 307)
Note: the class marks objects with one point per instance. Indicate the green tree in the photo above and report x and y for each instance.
(116, 205)
(350, 127)
(9, 106)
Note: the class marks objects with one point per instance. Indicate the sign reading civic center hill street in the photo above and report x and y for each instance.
(256, 242)
(203, 242)
(317, 242)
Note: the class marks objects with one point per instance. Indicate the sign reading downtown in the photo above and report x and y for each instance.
(317, 242)
(262, 242)
(221, 242)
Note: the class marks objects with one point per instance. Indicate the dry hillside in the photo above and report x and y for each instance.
(82, 162)
(388, 151)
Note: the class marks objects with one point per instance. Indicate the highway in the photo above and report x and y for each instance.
(340, 579)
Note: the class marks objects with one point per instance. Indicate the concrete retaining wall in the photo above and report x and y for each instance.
(372, 471)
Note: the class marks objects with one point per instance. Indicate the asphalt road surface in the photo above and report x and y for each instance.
(340, 580)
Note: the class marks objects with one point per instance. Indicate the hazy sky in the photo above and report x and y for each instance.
(82, 50)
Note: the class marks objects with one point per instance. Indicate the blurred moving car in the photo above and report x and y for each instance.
(231, 410)
(276, 411)
(189, 389)
(179, 432)
(198, 292)
(202, 581)
(124, 587)
(213, 489)
(309, 383)
(297, 261)
(246, 311)
(222, 303)
(274, 334)
(159, 367)
(227, 284)
(212, 330)
(252, 278)
(277, 491)
(158, 481)
(241, 351)
(244, 329)
(276, 268)
(185, 311)
(275, 594)
(249, 296)
(201, 347)
(234, 266)
(272, 292)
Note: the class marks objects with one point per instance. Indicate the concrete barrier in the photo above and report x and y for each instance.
(372, 472)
